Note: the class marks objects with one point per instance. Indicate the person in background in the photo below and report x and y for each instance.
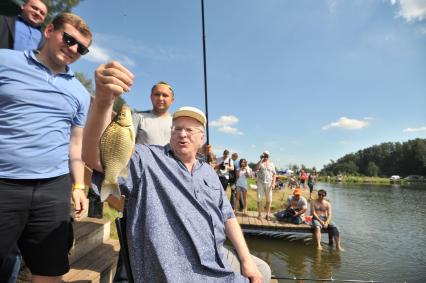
(296, 208)
(40, 162)
(302, 177)
(310, 184)
(173, 197)
(265, 183)
(23, 32)
(153, 126)
(243, 173)
(321, 218)
(224, 164)
(233, 181)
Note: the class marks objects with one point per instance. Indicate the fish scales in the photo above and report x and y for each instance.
(117, 144)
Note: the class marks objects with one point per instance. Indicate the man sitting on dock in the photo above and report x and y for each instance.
(296, 208)
(321, 218)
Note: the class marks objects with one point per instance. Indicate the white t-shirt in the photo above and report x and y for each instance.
(152, 129)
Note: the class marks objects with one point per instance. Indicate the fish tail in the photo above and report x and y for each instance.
(109, 188)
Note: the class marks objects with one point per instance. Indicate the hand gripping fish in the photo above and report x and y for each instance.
(117, 144)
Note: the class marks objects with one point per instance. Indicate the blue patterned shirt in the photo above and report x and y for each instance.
(175, 219)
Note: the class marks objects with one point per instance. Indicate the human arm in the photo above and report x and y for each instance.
(112, 79)
(235, 235)
(77, 172)
(329, 215)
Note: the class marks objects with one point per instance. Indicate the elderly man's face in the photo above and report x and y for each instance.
(187, 137)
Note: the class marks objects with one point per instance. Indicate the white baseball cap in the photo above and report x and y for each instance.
(192, 112)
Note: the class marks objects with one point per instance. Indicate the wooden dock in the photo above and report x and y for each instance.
(251, 223)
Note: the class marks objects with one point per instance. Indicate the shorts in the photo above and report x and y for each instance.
(241, 189)
(36, 214)
(332, 228)
(264, 188)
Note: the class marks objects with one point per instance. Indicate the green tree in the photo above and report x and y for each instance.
(372, 169)
(85, 81)
(58, 6)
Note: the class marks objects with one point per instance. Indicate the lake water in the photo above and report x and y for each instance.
(383, 232)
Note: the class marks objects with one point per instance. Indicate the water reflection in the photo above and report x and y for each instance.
(296, 259)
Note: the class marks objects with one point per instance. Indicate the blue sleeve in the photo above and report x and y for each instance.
(82, 108)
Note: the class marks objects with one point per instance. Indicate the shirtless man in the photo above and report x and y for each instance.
(321, 218)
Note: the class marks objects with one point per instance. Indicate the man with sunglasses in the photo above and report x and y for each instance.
(321, 218)
(178, 215)
(43, 109)
(23, 31)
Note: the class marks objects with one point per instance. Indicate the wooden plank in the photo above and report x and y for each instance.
(91, 267)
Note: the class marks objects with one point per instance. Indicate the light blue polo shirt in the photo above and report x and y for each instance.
(26, 36)
(37, 110)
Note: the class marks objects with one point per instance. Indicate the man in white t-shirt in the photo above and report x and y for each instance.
(265, 182)
(153, 126)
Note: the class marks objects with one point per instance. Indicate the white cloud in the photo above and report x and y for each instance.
(230, 130)
(332, 6)
(224, 124)
(346, 123)
(99, 54)
(411, 10)
(224, 121)
(412, 130)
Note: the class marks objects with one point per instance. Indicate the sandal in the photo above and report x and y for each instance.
(267, 217)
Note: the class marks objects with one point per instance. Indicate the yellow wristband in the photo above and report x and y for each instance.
(78, 187)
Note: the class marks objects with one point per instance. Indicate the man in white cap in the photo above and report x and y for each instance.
(265, 183)
(178, 215)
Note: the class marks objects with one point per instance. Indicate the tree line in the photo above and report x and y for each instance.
(384, 160)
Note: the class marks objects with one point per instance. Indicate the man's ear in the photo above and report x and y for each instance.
(48, 30)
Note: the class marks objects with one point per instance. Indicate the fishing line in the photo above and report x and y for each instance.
(330, 280)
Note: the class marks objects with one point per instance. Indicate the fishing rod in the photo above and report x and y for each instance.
(331, 279)
(205, 73)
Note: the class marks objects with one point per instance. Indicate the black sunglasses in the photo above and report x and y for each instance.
(71, 41)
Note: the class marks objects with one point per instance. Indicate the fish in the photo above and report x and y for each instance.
(116, 147)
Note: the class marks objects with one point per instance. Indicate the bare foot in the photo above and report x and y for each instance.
(319, 248)
(339, 248)
(267, 217)
(259, 217)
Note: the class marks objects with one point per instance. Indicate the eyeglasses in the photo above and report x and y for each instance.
(188, 130)
(71, 41)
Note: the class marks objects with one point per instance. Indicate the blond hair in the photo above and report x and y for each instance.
(68, 18)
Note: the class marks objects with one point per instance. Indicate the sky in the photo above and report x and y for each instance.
(309, 81)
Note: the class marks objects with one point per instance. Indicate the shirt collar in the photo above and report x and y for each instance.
(21, 19)
(31, 54)
(198, 162)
